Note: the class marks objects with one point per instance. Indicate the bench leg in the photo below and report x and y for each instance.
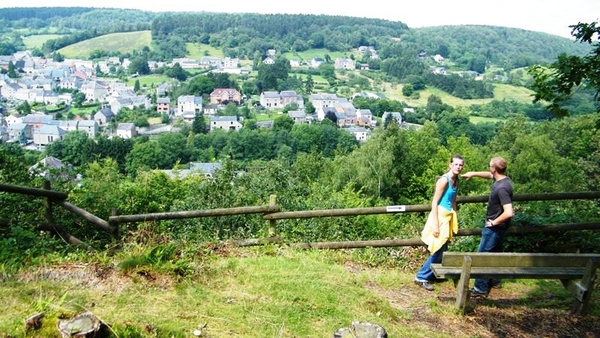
(582, 290)
(462, 288)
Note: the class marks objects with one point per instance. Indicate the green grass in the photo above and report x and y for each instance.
(149, 80)
(121, 42)
(501, 92)
(258, 294)
(197, 51)
(36, 41)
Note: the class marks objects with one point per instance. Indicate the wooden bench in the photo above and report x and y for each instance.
(577, 272)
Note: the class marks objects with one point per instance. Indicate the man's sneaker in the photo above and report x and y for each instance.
(476, 293)
(424, 284)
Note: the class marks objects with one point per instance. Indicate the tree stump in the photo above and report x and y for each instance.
(361, 330)
(82, 325)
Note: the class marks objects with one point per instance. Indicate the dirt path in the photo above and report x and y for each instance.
(501, 315)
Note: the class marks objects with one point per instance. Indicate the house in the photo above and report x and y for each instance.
(360, 133)
(13, 118)
(291, 97)
(68, 126)
(126, 130)
(364, 117)
(364, 66)
(438, 58)
(225, 95)
(20, 132)
(163, 105)
(90, 127)
(316, 62)
(211, 109)
(104, 116)
(298, 116)
(188, 105)
(231, 62)
(48, 134)
(50, 167)
(211, 62)
(208, 170)
(268, 61)
(37, 121)
(396, 116)
(275, 100)
(294, 63)
(342, 63)
(270, 100)
(224, 122)
(94, 91)
(162, 89)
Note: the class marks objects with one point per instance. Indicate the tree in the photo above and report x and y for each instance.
(557, 83)
(11, 70)
(309, 85)
(408, 90)
(136, 86)
(199, 124)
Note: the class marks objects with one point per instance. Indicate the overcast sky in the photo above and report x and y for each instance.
(550, 16)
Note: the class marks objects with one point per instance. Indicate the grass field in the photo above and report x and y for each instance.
(197, 51)
(36, 41)
(149, 80)
(274, 291)
(122, 42)
(501, 92)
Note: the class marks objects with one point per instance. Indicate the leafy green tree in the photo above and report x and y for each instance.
(139, 65)
(24, 108)
(557, 83)
(408, 90)
(283, 122)
(136, 86)
(309, 84)
(11, 70)
(199, 125)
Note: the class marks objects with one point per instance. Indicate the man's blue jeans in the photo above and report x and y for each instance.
(491, 241)
(425, 273)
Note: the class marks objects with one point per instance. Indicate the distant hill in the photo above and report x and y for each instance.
(507, 47)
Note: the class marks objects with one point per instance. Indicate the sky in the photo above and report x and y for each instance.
(549, 16)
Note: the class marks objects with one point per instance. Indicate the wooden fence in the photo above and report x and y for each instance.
(272, 213)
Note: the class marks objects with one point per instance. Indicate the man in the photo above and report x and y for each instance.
(497, 218)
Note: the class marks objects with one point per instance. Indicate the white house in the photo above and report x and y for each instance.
(188, 104)
(225, 122)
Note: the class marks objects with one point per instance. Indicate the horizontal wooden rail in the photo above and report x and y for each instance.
(417, 241)
(193, 214)
(423, 207)
(55, 195)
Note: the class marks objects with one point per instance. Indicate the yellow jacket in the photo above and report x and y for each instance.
(448, 220)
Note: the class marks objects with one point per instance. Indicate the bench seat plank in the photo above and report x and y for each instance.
(516, 259)
(443, 272)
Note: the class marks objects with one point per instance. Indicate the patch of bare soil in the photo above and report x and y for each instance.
(500, 315)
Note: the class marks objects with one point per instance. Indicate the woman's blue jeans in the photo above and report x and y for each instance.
(425, 273)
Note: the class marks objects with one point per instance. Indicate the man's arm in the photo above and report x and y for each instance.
(506, 214)
(481, 174)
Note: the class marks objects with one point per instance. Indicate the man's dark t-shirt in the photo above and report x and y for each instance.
(501, 194)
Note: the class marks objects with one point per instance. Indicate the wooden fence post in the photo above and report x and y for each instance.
(48, 204)
(272, 222)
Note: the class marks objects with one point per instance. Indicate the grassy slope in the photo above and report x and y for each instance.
(36, 41)
(272, 292)
(122, 42)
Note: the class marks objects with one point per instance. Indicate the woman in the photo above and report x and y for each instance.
(442, 222)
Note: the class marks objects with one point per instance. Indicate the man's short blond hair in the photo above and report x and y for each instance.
(499, 164)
